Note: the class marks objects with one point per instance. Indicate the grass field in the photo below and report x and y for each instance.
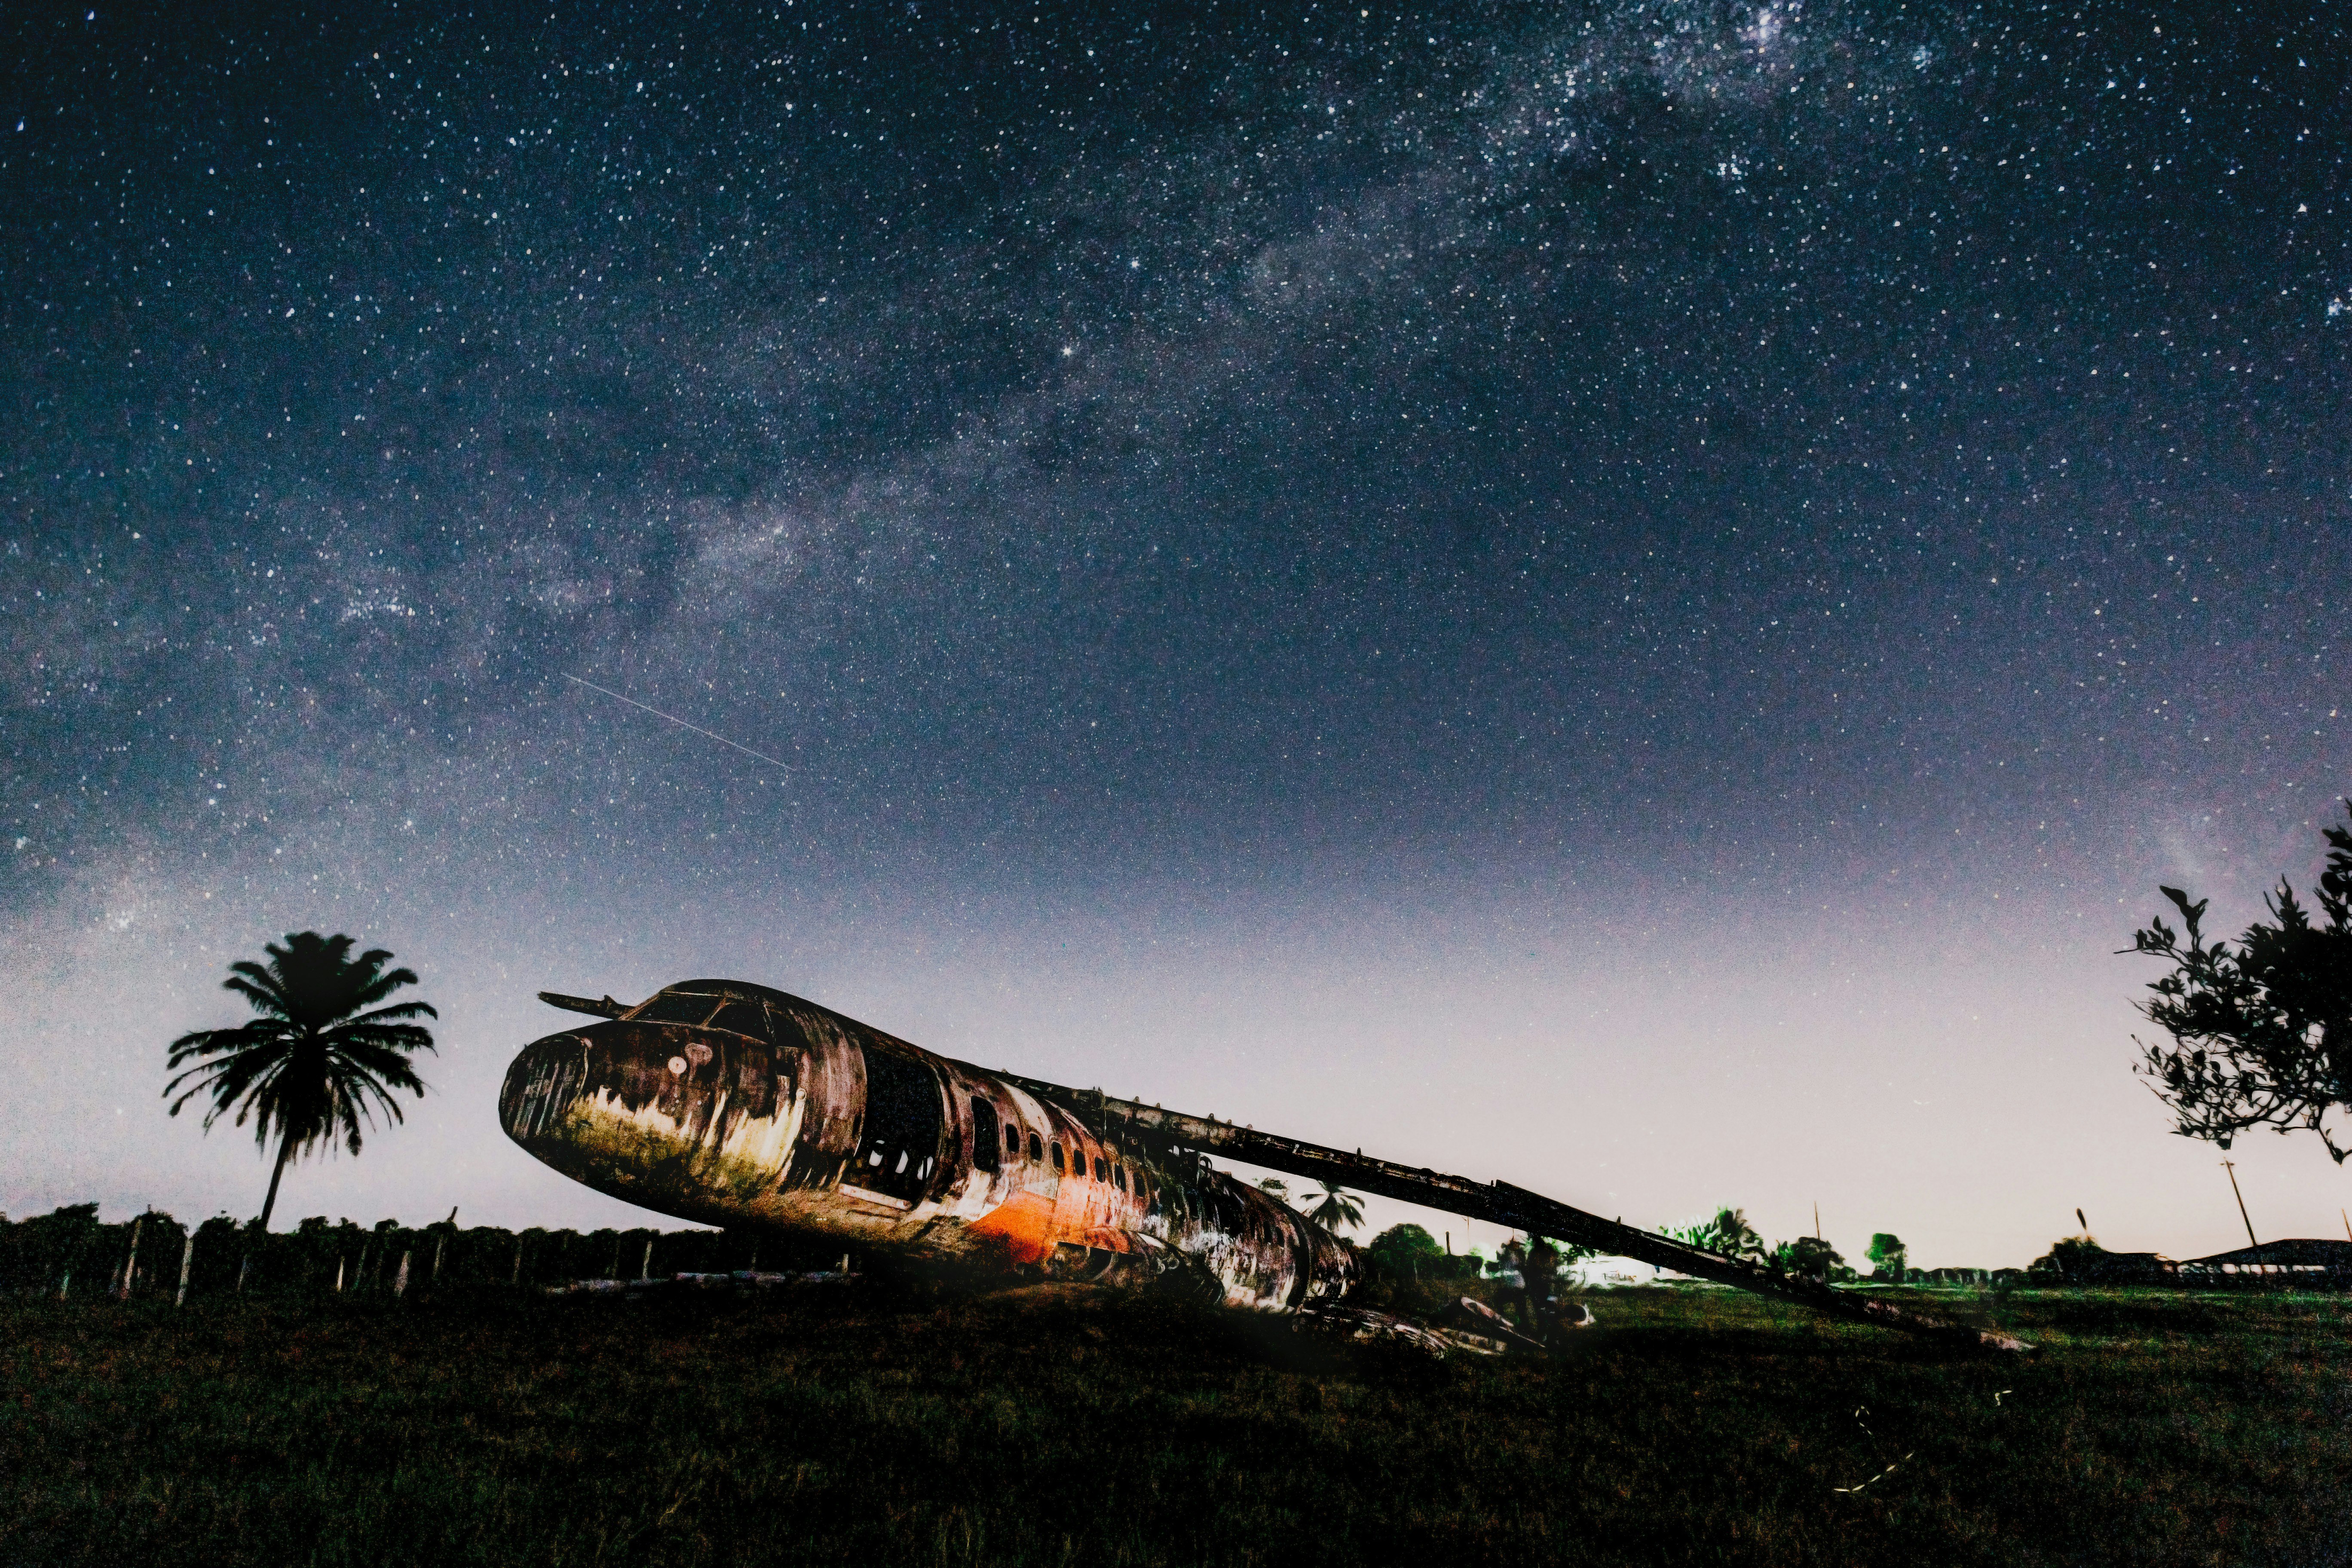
(844, 1424)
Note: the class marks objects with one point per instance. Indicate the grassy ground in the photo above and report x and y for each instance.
(1067, 1427)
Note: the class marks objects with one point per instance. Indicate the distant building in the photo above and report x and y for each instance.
(2305, 1261)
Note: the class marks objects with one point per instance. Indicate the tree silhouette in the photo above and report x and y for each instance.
(2073, 1257)
(1400, 1247)
(1728, 1233)
(1337, 1210)
(318, 1059)
(1808, 1256)
(2260, 1032)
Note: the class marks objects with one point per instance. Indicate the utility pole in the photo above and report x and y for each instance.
(2231, 1167)
(1817, 1219)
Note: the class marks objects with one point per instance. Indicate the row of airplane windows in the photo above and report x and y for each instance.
(1076, 1164)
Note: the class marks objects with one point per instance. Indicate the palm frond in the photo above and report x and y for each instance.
(217, 1042)
(398, 1010)
(384, 985)
(263, 999)
(387, 1061)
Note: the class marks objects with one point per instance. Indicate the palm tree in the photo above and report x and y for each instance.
(1338, 1210)
(1276, 1186)
(308, 1069)
(1731, 1233)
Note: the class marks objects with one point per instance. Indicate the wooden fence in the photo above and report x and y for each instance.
(71, 1256)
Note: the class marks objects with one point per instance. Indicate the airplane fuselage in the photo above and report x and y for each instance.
(731, 1104)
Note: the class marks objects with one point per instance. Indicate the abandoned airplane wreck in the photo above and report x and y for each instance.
(731, 1104)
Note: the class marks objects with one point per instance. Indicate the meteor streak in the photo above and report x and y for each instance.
(679, 722)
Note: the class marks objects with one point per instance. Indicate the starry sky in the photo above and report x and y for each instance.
(1631, 596)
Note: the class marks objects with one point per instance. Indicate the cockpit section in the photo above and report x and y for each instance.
(707, 1005)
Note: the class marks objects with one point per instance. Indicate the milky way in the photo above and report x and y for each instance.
(1280, 454)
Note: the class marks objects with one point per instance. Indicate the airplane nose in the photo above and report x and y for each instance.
(688, 1121)
(551, 1079)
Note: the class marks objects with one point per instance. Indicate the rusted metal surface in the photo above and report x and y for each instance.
(732, 1104)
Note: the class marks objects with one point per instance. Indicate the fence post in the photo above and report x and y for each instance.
(187, 1256)
(131, 1264)
(645, 1266)
(517, 1280)
(400, 1284)
(243, 1269)
(438, 1243)
(340, 1264)
(65, 1284)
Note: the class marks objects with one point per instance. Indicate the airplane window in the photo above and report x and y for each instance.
(983, 1135)
(1058, 1157)
(1119, 1175)
(1011, 1141)
(1037, 1151)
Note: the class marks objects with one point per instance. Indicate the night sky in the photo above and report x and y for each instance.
(1632, 597)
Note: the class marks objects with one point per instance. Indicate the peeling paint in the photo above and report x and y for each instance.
(731, 1104)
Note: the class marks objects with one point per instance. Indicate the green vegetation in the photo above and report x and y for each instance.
(1408, 1252)
(320, 1056)
(1065, 1425)
(1728, 1233)
(1889, 1258)
(1809, 1255)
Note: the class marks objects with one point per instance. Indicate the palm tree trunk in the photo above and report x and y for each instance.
(285, 1149)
